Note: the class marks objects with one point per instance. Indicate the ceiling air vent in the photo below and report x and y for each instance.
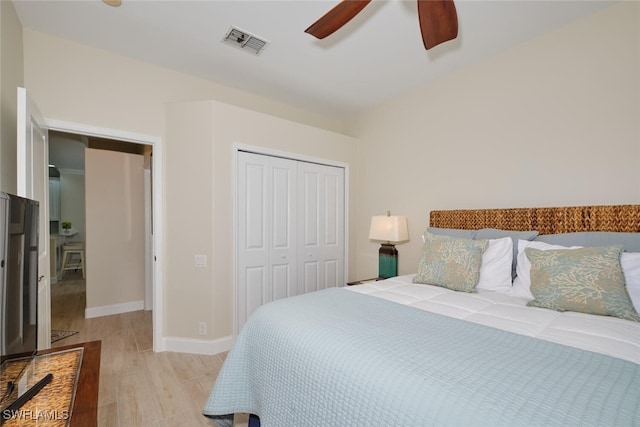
(245, 41)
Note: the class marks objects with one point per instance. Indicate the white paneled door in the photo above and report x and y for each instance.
(290, 236)
(320, 226)
(33, 183)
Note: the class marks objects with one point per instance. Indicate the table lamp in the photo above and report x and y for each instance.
(389, 229)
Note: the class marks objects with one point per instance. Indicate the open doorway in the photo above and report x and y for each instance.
(68, 173)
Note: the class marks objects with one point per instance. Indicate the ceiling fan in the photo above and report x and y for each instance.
(438, 20)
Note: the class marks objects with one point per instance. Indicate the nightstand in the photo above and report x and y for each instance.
(363, 282)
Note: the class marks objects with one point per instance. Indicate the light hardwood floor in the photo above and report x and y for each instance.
(137, 386)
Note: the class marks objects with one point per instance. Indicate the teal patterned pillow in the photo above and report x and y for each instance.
(450, 262)
(587, 280)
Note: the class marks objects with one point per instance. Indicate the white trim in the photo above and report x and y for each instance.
(158, 266)
(108, 310)
(236, 147)
(234, 244)
(287, 155)
(158, 200)
(190, 345)
(101, 132)
(71, 171)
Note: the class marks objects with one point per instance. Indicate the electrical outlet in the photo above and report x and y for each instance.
(202, 328)
(200, 261)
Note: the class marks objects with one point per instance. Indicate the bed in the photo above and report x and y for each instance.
(492, 342)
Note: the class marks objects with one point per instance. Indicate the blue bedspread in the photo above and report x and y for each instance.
(339, 358)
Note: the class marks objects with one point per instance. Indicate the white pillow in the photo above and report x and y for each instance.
(495, 270)
(522, 283)
(630, 262)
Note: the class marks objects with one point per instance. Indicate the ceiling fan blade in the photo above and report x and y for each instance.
(438, 21)
(331, 21)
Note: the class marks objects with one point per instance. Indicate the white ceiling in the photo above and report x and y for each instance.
(375, 57)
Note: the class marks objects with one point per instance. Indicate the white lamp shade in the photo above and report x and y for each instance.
(389, 228)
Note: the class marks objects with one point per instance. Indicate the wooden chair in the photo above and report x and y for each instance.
(69, 250)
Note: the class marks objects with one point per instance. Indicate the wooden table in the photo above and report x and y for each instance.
(85, 405)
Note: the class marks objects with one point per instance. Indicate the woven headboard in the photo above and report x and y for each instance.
(620, 218)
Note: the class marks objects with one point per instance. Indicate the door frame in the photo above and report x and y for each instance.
(29, 119)
(236, 148)
(157, 201)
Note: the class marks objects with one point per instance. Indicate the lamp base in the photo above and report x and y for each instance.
(387, 261)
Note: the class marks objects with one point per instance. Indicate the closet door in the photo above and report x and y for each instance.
(321, 226)
(267, 214)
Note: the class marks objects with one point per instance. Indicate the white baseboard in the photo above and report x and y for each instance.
(108, 310)
(190, 345)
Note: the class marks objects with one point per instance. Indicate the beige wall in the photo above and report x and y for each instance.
(188, 215)
(200, 214)
(552, 122)
(115, 229)
(11, 76)
(81, 84)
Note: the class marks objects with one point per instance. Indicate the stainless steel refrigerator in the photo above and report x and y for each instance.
(18, 275)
